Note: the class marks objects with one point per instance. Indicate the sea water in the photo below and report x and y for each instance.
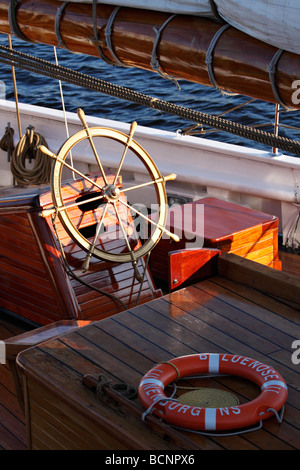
(39, 90)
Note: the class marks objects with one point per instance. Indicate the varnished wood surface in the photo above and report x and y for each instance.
(214, 223)
(240, 62)
(216, 315)
(290, 262)
(12, 420)
(34, 283)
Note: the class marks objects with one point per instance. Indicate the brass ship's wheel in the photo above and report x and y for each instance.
(109, 198)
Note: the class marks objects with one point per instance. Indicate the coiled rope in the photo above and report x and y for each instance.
(42, 67)
(27, 149)
(7, 141)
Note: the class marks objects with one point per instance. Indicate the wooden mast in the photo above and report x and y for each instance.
(240, 63)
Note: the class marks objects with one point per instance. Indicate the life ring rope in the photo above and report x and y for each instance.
(273, 392)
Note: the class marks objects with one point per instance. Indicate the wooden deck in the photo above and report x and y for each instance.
(231, 319)
(290, 263)
(12, 421)
(216, 315)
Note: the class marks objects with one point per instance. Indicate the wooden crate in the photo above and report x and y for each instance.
(218, 224)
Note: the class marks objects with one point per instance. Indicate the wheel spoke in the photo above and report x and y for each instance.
(108, 193)
(163, 229)
(46, 151)
(86, 263)
(48, 212)
(130, 136)
(86, 128)
(170, 177)
(133, 258)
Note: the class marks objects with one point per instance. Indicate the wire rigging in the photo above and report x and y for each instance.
(59, 72)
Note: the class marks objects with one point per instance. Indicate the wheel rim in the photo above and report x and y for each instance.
(111, 196)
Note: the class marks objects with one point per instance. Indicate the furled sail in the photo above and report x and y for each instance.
(185, 7)
(178, 46)
(276, 22)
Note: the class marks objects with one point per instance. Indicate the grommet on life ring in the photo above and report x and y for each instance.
(271, 399)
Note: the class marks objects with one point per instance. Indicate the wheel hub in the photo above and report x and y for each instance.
(111, 193)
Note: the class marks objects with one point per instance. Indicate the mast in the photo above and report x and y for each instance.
(177, 46)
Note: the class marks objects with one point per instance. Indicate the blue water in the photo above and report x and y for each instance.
(38, 90)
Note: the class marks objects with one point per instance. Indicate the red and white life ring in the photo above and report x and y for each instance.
(272, 397)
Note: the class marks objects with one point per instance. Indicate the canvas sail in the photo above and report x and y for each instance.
(184, 7)
(275, 23)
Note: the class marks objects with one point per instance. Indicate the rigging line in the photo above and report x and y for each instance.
(49, 69)
(15, 90)
(276, 124)
(68, 268)
(64, 111)
(189, 130)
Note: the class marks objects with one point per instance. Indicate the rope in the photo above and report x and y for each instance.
(207, 397)
(7, 141)
(154, 60)
(272, 71)
(49, 69)
(108, 31)
(122, 388)
(72, 273)
(209, 59)
(95, 39)
(174, 367)
(12, 18)
(27, 149)
(59, 14)
(215, 11)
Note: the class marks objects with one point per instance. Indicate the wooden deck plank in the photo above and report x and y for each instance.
(273, 307)
(216, 315)
(12, 420)
(208, 317)
(164, 354)
(242, 312)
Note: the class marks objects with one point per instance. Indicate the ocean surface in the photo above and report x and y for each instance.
(38, 90)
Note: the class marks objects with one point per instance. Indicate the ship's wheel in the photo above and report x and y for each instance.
(109, 198)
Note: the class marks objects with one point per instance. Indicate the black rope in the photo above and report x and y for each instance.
(215, 11)
(12, 18)
(59, 14)
(48, 69)
(95, 40)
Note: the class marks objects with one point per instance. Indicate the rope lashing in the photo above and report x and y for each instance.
(108, 33)
(7, 141)
(95, 39)
(59, 15)
(27, 149)
(122, 388)
(209, 59)
(12, 18)
(272, 71)
(154, 60)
